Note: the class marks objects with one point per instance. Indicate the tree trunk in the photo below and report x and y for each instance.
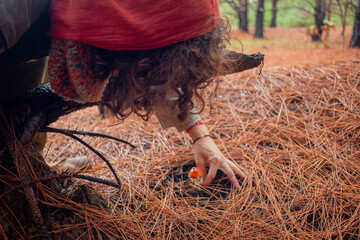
(243, 18)
(34, 202)
(329, 10)
(25, 204)
(320, 9)
(274, 12)
(355, 38)
(343, 6)
(259, 26)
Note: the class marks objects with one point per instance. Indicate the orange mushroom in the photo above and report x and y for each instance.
(195, 173)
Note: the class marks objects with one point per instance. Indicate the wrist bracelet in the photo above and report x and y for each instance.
(202, 136)
(195, 124)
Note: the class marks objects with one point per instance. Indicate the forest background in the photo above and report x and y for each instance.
(292, 13)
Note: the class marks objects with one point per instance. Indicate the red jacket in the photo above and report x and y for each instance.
(132, 24)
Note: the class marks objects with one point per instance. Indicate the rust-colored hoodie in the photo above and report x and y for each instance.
(132, 24)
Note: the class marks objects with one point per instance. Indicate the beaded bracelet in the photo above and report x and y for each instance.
(195, 124)
(202, 136)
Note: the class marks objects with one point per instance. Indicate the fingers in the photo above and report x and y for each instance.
(230, 173)
(212, 171)
(228, 167)
(237, 170)
(202, 166)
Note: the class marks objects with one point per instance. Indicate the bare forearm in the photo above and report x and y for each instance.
(198, 131)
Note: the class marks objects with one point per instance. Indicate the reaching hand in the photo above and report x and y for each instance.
(208, 154)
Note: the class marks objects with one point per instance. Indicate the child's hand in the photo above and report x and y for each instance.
(208, 154)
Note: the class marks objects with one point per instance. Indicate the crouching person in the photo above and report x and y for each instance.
(134, 56)
(142, 57)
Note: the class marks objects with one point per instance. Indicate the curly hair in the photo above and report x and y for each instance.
(138, 79)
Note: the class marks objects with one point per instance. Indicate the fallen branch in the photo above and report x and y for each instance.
(94, 151)
(92, 134)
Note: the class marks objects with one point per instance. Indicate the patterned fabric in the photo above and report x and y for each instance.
(70, 72)
(167, 114)
(168, 118)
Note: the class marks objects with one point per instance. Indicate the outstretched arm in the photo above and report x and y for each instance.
(205, 150)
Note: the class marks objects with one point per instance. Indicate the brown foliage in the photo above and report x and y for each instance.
(294, 131)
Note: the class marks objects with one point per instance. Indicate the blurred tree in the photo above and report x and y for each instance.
(329, 9)
(355, 38)
(343, 8)
(274, 12)
(320, 8)
(259, 25)
(243, 18)
(240, 8)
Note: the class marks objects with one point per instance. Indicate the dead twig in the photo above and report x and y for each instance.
(94, 151)
(61, 175)
(92, 134)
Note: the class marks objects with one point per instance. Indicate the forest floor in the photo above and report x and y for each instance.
(294, 130)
